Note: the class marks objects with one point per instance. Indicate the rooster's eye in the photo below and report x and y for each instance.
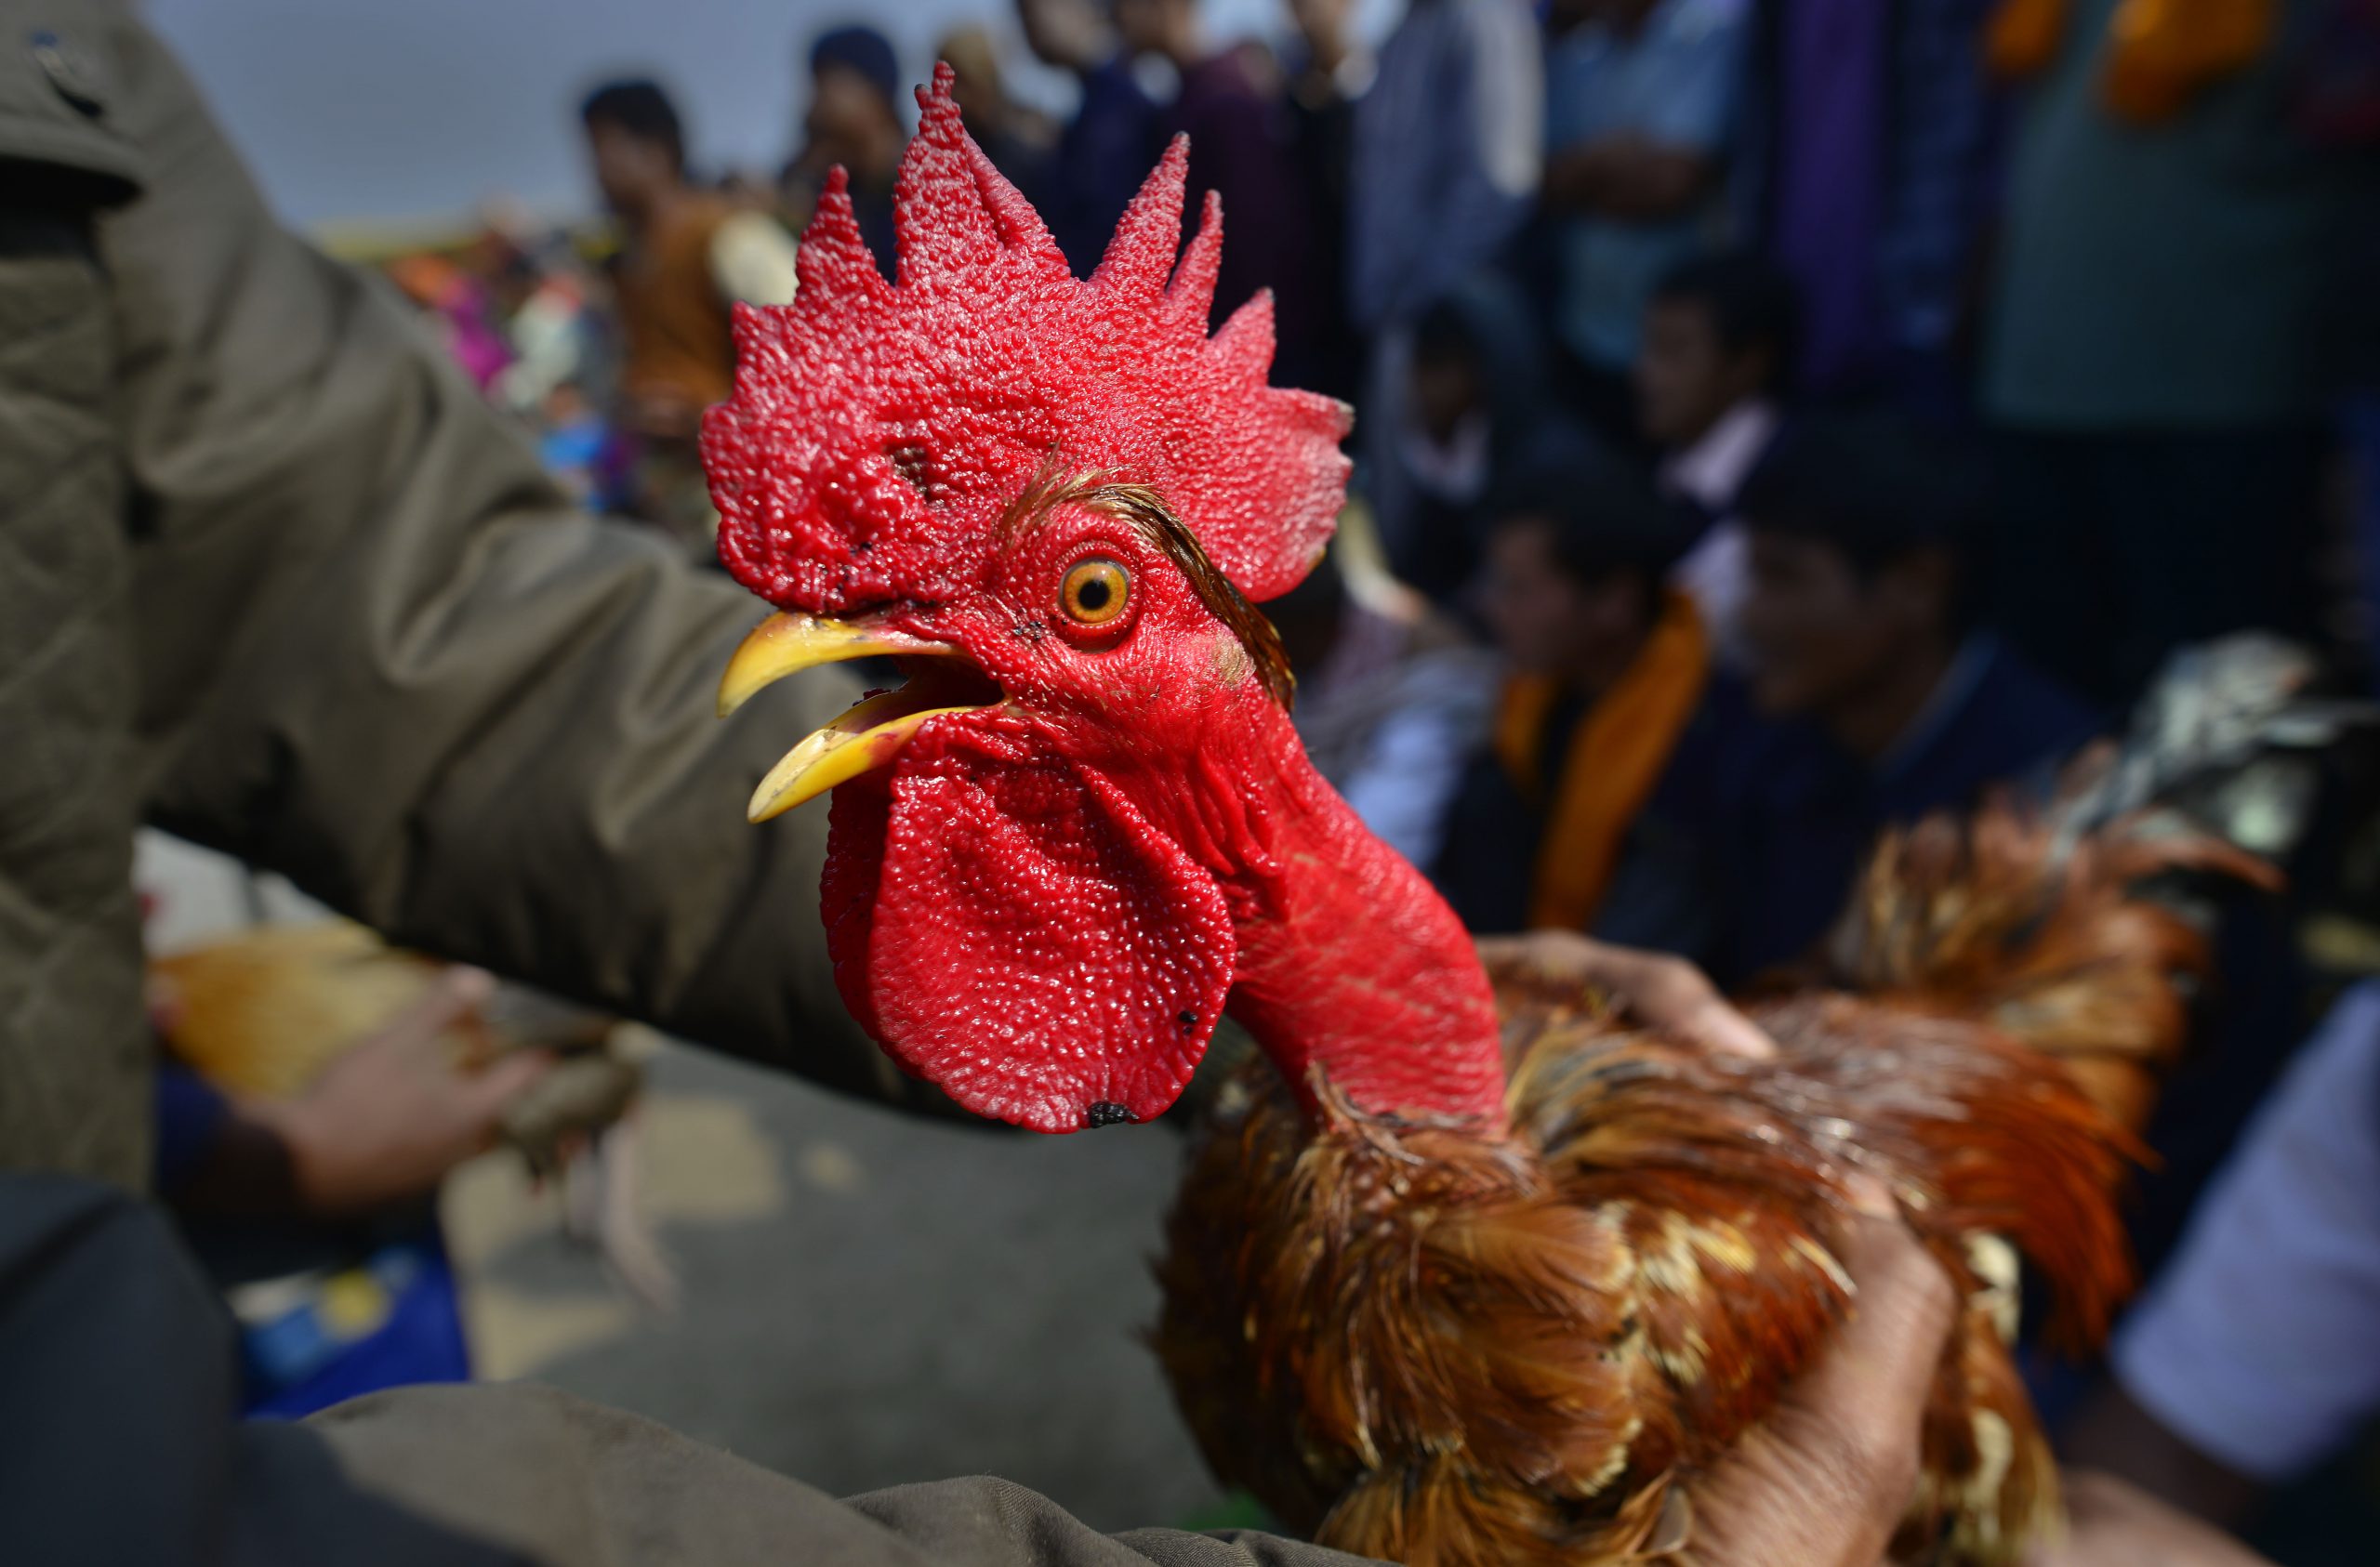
(1094, 591)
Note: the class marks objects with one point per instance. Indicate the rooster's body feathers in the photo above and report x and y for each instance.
(1447, 1349)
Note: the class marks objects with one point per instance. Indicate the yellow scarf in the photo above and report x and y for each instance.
(1615, 759)
(2160, 52)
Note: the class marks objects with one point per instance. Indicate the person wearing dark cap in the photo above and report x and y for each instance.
(1607, 669)
(853, 120)
(1859, 622)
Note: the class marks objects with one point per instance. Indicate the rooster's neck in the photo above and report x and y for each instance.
(1349, 960)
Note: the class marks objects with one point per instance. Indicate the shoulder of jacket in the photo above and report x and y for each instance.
(59, 88)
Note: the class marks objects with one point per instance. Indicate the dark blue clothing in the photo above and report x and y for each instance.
(190, 1113)
(1102, 157)
(1747, 849)
(1796, 814)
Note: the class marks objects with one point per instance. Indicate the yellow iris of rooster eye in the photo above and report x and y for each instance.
(1095, 591)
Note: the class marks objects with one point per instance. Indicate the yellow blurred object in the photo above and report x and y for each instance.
(263, 1012)
(354, 1304)
(2160, 52)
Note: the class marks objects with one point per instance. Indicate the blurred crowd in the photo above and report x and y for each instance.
(1774, 422)
(1811, 413)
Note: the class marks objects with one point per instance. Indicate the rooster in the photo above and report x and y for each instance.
(1462, 1271)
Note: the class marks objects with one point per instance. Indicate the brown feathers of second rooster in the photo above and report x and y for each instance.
(264, 1012)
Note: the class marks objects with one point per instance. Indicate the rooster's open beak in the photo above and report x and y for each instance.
(868, 736)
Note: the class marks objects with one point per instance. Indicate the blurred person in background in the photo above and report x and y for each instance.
(1641, 102)
(1239, 147)
(686, 254)
(1106, 148)
(854, 121)
(1444, 169)
(1872, 145)
(1446, 156)
(1019, 141)
(459, 304)
(1469, 407)
(1605, 672)
(2157, 352)
(1328, 70)
(1859, 624)
(1392, 700)
(546, 298)
(1712, 373)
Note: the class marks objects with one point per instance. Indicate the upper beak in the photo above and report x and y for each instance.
(868, 736)
(786, 644)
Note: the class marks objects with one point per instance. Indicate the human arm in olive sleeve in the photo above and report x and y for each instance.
(378, 653)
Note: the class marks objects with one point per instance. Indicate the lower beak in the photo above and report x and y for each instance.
(867, 737)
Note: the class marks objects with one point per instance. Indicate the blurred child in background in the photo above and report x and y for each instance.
(1641, 102)
(1859, 624)
(1711, 376)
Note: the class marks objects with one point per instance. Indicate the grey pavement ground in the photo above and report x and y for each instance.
(867, 1299)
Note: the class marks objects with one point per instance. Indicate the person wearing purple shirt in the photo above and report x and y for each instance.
(1873, 157)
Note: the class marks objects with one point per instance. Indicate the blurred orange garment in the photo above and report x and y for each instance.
(2159, 52)
(1615, 759)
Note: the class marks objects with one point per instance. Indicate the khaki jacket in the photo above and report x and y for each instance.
(272, 577)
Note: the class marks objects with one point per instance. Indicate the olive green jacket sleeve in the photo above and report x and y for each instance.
(115, 1351)
(377, 650)
(573, 1485)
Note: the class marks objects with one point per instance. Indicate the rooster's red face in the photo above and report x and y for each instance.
(1052, 502)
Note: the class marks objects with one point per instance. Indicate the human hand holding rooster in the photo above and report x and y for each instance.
(1826, 1480)
(389, 1118)
(381, 1125)
(1830, 1479)
(1655, 988)
(2113, 1523)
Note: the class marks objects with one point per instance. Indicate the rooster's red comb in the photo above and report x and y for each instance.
(877, 430)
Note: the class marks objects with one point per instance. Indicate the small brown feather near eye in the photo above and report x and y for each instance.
(1149, 515)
